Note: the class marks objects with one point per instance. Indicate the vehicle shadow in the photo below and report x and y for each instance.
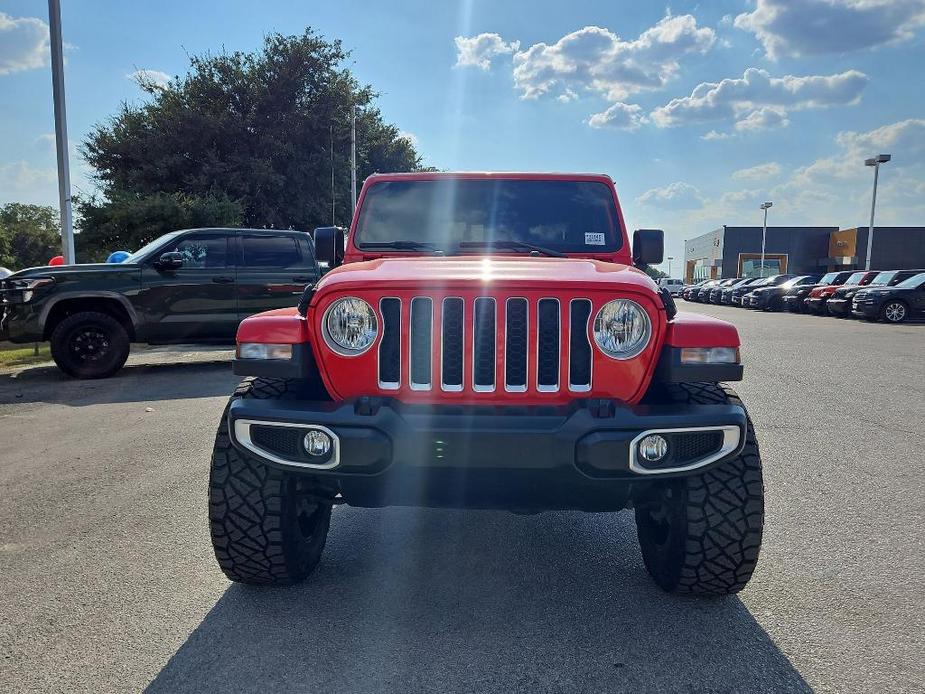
(433, 600)
(140, 382)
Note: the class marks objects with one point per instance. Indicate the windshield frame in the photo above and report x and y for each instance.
(618, 244)
(146, 251)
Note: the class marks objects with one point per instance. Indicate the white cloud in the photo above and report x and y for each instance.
(411, 137)
(22, 182)
(758, 100)
(153, 77)
(714, 135)
(24, 43)
(675, 196)
(597, 60)
(766, 118)
(807, 27)
(752, 173)
(478, 51)
(619, 116)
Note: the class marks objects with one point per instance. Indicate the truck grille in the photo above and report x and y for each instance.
(497, 330)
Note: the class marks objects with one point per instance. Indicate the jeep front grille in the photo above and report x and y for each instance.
(528, 338)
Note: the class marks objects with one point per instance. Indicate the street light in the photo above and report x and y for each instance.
(764, 232)
(875, 162)
(670, 258)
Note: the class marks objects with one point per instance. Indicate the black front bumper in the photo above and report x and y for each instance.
(865, 310)
(816, 304)
(577, 456)
(838, 307)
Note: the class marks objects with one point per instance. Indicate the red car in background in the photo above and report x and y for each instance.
(818, 297)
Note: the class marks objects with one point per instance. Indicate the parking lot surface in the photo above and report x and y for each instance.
(107, 580)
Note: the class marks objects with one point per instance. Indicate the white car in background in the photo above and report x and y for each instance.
(672, 285)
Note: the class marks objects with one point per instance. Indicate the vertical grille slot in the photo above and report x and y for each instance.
(515, 345)
(547, 345)
(422, 315)
(390, 345)
(452, 346)
(483, 345)
(579, 351)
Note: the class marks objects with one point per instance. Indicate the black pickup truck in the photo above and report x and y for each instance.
(190, 286)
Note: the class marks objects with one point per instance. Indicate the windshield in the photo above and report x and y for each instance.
(913, 282)
(855, 278)
(792, 283)
(883, 279)
(828, 278)
(140, 254)
(565, 216)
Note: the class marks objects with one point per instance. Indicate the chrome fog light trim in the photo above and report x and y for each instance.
(732, 442)
(242, 436)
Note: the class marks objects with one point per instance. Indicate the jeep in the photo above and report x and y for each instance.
(488, 341)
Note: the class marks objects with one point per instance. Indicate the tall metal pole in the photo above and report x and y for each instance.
(353, 159)
(764, 233)
(870, 229)
(64, 172)
(333, 223)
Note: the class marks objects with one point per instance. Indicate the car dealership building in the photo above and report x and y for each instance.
(736, 251)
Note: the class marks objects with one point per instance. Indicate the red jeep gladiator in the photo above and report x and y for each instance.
(488, 341)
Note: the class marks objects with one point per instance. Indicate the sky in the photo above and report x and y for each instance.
(699, 111)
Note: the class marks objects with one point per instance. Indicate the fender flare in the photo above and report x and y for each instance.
(65, 296)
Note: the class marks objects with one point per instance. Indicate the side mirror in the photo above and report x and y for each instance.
(648, 246)
(170, 261)
(329, 246)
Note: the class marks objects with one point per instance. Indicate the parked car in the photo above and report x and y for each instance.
(191, 286)
(770, 297)
(795, 299)
(750, 300)
(839, 304)
(818, 296)
(687, 292)
(702, 292)
(674, 286)
(717, 291)
(893, 304)
(736, 292)
(411, 380)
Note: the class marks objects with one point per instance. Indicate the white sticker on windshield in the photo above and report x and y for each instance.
(594, 239)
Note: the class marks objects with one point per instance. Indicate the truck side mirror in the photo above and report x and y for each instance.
(648, 246)
(329, 246)
(172, 260)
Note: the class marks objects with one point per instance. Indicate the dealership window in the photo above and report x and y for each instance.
(750, 264)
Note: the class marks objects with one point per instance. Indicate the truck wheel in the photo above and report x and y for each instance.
(894, 312)
(268, 526)
(702, 534)
(89, 344)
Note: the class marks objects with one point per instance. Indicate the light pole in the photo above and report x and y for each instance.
(764, 232)
(875, 162)
(670, 258)
(64, 175)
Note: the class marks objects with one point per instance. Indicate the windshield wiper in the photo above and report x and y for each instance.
(514, 245)
(403, 245)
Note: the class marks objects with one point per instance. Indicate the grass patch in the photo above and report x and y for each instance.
(17, 355)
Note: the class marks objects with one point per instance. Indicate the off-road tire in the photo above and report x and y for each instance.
(71, 337)
(268, 526)
(886, 312)
(702, 534)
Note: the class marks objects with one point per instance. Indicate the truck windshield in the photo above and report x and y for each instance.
(140, 254)
(828, 278)
(562, 216)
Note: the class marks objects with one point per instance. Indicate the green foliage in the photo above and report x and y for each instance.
(253, 128)
(126, 223)
(653, 273)
(29, 235)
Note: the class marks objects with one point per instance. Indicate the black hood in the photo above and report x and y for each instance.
(67, 270)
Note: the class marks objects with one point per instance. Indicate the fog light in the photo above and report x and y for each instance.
(317, 443)
(653, 448)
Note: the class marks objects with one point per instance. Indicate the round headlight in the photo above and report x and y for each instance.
(622, 329)
(350, 326)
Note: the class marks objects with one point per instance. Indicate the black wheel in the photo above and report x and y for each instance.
(268, 526)
(89, 344)
(894, 311)
(702, 534)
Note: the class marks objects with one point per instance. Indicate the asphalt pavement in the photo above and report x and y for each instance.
(108, 583)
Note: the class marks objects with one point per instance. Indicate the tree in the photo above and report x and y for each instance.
(29, 235)
(260, 129)
(653, 273)
(127, 223)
